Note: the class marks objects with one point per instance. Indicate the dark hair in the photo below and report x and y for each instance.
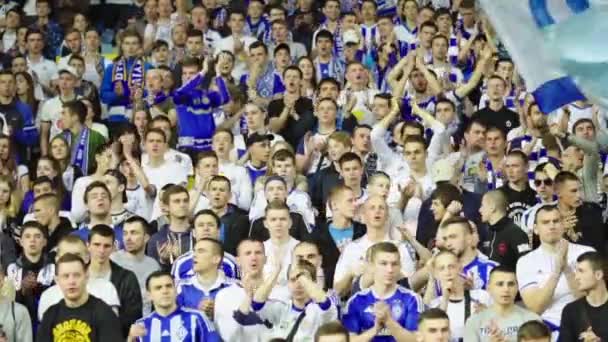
(173, 190)
(204, 155)
(258, 44)
(220, 178)
(191, 62)
(519, 154)
(68, 258)
(102, 230)
(474, 121)
(138, 219)
(42, 180)
(208, 212)
(501, 269)
(194, 33)
(334, 327)
(94, 185)
(564, 176)
(414, 139)
(434, 313)
(157, 131)
(371, 2)
(428, 24)
(441, 12)
(328, 80)
(122, 180)
(580, 122)
(348, 157)
(76, 57)
(446, 193)
(157, 274)
(77, 108)
(34, 225)
(291, 67)
(493, 128)
(224, 130)
(218, 248)
(412, 124)
(543, 208)
(31, 31)
(533, 330)
(324, 34)
(440, 36)
(444, 100)
(282, 46)
(595, 259)
(383, 247)
(158, 44)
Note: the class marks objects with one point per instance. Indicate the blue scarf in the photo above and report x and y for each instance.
(80, 150)
(265, 83)
(129, 78)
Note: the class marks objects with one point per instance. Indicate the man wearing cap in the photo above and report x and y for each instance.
(258, 147)
(83, 141)
(51, 123)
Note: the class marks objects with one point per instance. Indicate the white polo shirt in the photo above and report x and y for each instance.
(535, 268)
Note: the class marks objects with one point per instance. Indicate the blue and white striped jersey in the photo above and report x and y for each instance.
(405, 306)
(184, 325)
(182, 267)
(190, 292)
(479, 270)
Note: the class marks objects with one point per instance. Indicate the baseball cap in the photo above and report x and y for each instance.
(442, 171)
(256, 137)
(68, 69)
(350, 37)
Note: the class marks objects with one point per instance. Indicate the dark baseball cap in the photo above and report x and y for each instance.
(256, 137)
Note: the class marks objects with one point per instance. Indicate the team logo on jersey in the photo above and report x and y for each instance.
(397, 309)
(508, 123)
(180, 333)
(206, 100)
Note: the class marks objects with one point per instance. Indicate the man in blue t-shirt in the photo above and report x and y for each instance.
(385, 311)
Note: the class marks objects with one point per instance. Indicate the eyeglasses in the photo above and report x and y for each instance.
(546, 182)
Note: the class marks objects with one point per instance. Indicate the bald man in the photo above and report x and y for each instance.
(352, 259)
(507, 242)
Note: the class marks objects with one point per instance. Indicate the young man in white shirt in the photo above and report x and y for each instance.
(44, 70)
(222, 144)
(163, 123)
(50, 112)
(237, 43)
(349, 266)
(546, 274)
(158, 169)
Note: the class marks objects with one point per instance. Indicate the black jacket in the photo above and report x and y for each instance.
(129, 294)
(328, 247)
(507, 242)
(323, 181)
(236, 228)
(298, 229)
(63, 228)
(592, 227)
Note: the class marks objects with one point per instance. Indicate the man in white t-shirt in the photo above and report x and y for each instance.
(237, 43)
(349, 266)
(546, 275)
(50, 112)
(43, 70)
(98, 287)
(158, 169)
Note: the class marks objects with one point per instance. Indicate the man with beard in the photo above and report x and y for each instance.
(132, 258)
(582, 220)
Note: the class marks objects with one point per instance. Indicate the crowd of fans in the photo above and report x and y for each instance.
(299, 170)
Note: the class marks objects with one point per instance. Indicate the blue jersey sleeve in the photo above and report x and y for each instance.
(351, 318)
(279, 87)
(413, 310)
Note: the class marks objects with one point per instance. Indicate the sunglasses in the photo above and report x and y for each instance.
(546, 182)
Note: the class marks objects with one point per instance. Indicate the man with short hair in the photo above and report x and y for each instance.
(459, 238)
(458, 301)
(507, 242)
(502, 318)
(583, 220)
(79, 314)
(132, 258)
(534, 331)
(546, 275)
(16, 323)
(117, 184)
(174, 238)
(50, 118)
(352, 258)
(335, 234)
(32, 273)
(590, 280)
(519, 195)
(101, 244)
(370, 314)
(46, 212)
(258, 147)
(496, 113)
(44, 69)
(97, 198)
(238, 42)
(332, 331)
(199, 290)
(191, 325)
(433, 326)
(207, 225)
(82, 140)
(98, 287)
(17, 120)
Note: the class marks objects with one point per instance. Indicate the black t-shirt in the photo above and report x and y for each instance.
(504, 119)
(518, 202)
(93, 321)
(294, 130)
(579, 315)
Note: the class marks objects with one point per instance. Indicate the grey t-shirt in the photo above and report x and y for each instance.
(477, 328)
(15, 321)
(142, 269)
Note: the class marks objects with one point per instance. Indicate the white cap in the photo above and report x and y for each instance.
(350, 36)
(69, 69)
(443, 170)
